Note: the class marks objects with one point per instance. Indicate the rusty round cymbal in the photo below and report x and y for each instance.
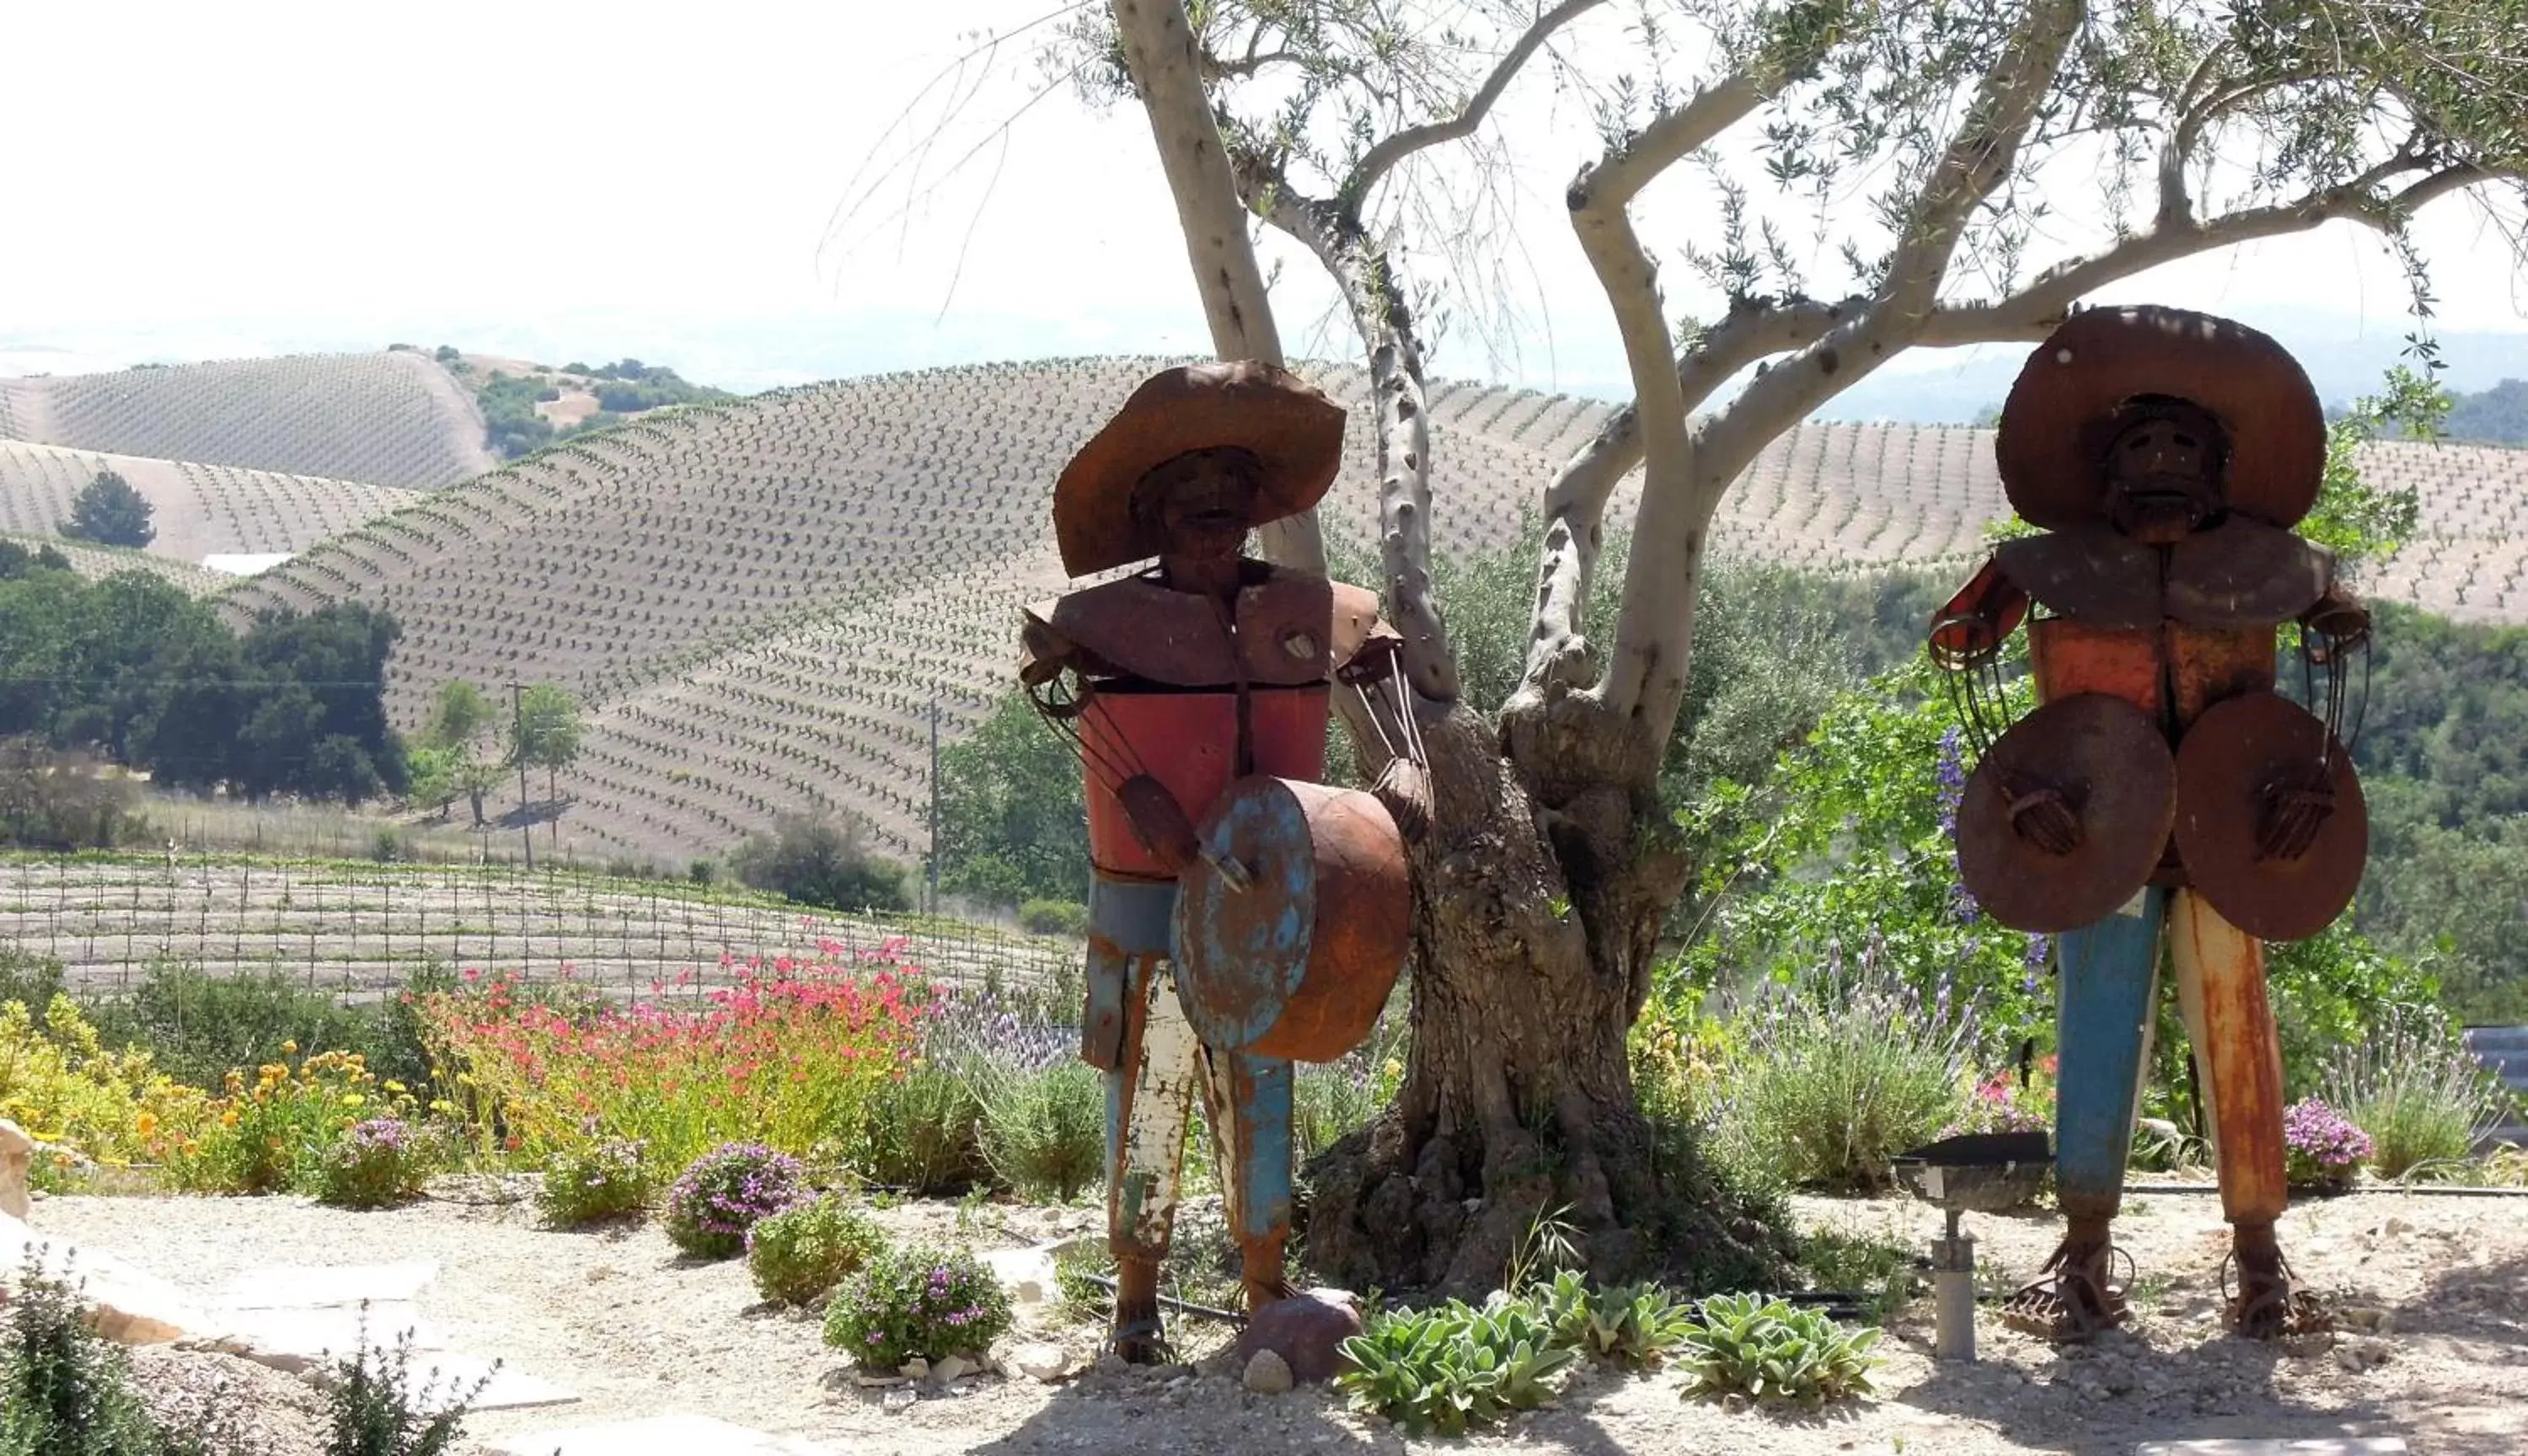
(2223, 765)
(2111, 764)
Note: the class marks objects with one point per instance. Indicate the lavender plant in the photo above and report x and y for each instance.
(2419, 1093)
(928, 1302)
(1842, 1072)
(377, 1163)
(606, 1178)
(2321, 1147)
(723, 1192)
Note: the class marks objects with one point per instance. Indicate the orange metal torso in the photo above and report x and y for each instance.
(2173, 671)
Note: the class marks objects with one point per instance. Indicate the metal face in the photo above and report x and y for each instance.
(2110, 763)
(2222, 765)
(1299, 963)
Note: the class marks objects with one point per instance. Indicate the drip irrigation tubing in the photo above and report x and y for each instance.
(2444, 1190)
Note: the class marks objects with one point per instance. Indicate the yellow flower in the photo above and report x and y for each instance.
(229, 1119)
(290, 1049)
(353, 1099)
(145, 1125)
(397, 1087)
(1394, 1068)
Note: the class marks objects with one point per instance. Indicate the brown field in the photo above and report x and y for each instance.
(389, 419)
(199, 509)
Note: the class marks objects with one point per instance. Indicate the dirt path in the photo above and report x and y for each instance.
(619, 1317)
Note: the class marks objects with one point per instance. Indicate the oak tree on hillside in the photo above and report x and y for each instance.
(1970, 130)
(110, 512)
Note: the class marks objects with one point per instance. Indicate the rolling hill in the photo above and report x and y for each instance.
(198, 509)
(762, 600)
(96, 564)
(393, 418)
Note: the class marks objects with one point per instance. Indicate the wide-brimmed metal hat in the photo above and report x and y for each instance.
(2064, 411)
(1290, 428)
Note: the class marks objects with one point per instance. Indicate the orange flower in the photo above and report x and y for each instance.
(146, 1123)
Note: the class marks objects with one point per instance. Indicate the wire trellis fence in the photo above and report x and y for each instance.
(363, 931)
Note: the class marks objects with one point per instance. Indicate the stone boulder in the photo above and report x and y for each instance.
(133, 1307)
(1306, 1330)
(16, 1154)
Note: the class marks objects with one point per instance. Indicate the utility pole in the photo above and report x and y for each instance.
(934, 803)
(518, 745)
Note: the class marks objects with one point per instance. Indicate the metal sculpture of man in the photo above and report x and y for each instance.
(1243, 914)
(2162, 789)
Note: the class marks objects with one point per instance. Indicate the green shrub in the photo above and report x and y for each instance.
(2420, 1095)
(1043, 1131)
(29, 979)
(198, 1026)
(374, 1408)
(1879, 1269)
(1631, 1325)
(64, 1390)
(818, 860)
(609, 1178)
(928, 1302)
(373, 1165)
(723, 1192)
(1836, 1079)
(924, 1137)
(802, 1251)
(1054, 918)
(1745, 1344)
(1456, 1364)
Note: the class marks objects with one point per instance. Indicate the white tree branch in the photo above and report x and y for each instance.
(1392, 148)
(1655, 629)
(1166, 64)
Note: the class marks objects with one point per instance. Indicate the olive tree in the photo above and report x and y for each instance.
(2185, 126)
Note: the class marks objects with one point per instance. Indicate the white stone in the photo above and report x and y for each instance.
(447, 1374)
(2324, 1446)
(297, 1341)
(1268, 1373)
(16, 1154)
(133, 1307)
(1041, 1362)
(915, 1369)
(293, 1287)
(949, 1366)
(677, 1435)
(1026, 1274)
(898, 1398)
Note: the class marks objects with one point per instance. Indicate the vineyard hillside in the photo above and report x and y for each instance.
(762, 601)
(198, 509)
(96, 564)
(394, 418)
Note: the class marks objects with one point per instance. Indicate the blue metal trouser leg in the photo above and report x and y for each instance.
(2109, 974)
(1248, 1100)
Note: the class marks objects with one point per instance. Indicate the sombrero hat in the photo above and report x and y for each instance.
(1290, 426)
(2057, 425)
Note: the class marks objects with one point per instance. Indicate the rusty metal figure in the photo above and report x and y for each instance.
(2162, 790)
(1243, 914)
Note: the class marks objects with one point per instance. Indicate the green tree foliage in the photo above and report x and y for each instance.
(18, 562)
(510, 425)
(823, 860)
(109, 512)
(51, 800)
(1011, 825)
(546, 730)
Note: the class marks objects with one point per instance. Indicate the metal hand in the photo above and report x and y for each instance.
(2297, 805)
(2042, 817)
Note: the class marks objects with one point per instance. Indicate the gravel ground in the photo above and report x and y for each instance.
(638, 1330)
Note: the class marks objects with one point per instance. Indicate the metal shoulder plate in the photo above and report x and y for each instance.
(1293, 628)
(2245, 573)
(2092, 576)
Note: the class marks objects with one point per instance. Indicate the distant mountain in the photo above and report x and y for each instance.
(2496, 416)
(2344, 365)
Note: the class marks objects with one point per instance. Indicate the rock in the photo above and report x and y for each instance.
(915, 1369)
(16, 1154)
(1306, 1330)
(898, 1398)
(1028, 1273)
(949, 1366)
(1111, 1364)
(1268, 1373)
(2367, 1317)
(2358, 1355)
(1041, 1362)
(131, 1307)
(878, 1381)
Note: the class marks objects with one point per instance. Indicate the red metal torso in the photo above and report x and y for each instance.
(2173, 671)
(1187, 740)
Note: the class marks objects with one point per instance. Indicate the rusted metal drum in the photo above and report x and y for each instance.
(2107, 759)
(1187, 740)
(2222, 765)
(1299, 963)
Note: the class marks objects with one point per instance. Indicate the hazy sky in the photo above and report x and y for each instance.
(203, 179)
